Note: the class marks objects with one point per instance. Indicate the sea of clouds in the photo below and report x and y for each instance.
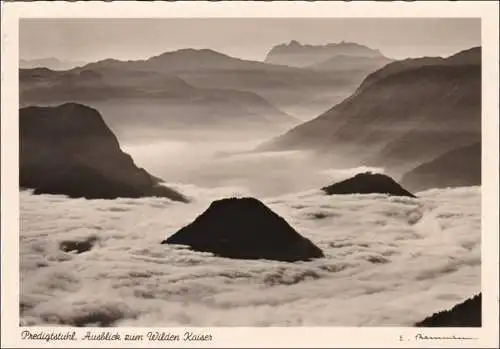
(389, 261)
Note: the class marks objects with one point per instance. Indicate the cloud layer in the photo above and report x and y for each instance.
(389, 262)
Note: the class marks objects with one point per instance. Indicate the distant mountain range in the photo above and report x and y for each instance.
(241, 87)
(415, 117)
(131, 100)
(298, 55)
(50, 63)
(407, 113)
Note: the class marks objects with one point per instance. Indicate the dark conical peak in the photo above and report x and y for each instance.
(245, 228)
(237, 204)
(368, 183)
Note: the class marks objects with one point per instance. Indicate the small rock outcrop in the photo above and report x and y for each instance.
(466, 314)
(78, 246)
(368, 183)
(245, 228)
(69, 150)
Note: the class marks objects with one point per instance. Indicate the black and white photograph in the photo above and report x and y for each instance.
(250, 172)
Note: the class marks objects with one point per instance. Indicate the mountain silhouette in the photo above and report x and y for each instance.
(465, 314)
(297, 55)
(69, 150)
(164, 101)
(245, 228)
(459, 167)
(407, 113)
(368, 183)
(299, 92)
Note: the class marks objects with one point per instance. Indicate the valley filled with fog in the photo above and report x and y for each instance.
(389, 261)
(231, 163)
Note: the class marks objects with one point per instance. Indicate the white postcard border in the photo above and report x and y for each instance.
(388, 337)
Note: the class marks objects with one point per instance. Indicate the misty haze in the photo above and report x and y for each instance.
(305, 179)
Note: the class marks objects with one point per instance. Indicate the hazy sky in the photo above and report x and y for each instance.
(250, 38)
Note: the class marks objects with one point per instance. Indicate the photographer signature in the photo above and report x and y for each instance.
(420, 336)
